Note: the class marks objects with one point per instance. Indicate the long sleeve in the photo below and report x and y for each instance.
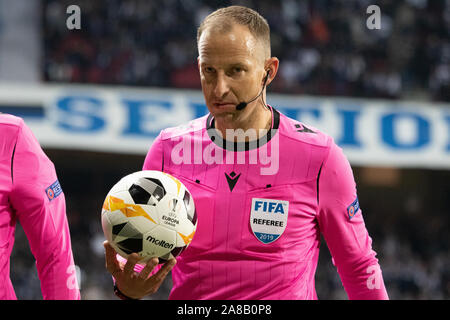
(342, 225)
(39, 204)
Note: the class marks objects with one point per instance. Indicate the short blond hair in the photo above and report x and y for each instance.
(224, 18)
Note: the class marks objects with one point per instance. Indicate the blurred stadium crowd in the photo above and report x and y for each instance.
(324, 46)
(325, 49)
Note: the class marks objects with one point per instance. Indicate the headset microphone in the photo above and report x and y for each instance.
(243, 104)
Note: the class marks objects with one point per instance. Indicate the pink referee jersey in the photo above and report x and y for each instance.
(261, 209)
(30, 193)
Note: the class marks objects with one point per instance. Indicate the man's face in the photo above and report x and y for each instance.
(231, 68)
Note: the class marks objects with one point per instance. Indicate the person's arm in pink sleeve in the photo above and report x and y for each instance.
(342, 225)
(39, 203)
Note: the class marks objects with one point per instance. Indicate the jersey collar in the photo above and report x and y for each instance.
(242, 146)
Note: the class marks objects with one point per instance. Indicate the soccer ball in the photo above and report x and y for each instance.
(151, 213)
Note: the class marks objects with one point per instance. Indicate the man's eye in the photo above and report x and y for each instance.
(237, 69)
(209, 70)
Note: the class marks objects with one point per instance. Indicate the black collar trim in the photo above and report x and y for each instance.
(242, 146)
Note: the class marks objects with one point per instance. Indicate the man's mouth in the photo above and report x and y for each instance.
(224, 104)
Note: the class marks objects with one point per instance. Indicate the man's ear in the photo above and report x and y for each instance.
(272, 65)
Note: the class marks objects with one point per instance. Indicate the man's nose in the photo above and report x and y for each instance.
(222, 87)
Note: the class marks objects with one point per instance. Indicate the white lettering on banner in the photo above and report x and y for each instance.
(100, 118)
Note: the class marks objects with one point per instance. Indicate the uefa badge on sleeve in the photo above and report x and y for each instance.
(53, 190)
(268, 219)
(353, 208)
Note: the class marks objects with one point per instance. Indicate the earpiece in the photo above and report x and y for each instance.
(243, 104)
